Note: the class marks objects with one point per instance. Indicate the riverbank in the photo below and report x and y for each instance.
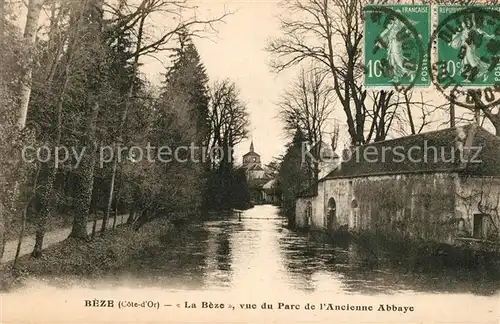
(52, 236)
(92, 259)
(424, 255)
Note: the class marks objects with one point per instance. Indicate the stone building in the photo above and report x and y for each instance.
(441, 186)
(252, 164)
(260, 184)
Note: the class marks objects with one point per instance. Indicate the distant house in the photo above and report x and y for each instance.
(271, 195)
(252, 164)
(439, 186)
(259, 182)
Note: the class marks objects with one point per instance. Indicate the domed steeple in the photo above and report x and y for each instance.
(252, 164)
(251, 158)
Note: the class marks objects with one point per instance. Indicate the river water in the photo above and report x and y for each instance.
(259, 251)
(231, 271)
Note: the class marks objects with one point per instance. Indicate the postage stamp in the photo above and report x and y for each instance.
(467, 41)
(394, 46)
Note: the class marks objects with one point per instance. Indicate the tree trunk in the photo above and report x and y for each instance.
(94, 225)
(44, 196)
(85, 179)
(128, 100)
(21, 235)
(30, 29)
(25, 215)
(2, 17)
(115, 216)
(141, 219)
(2, 231)
(46, 190)
(111, 190)
(94, 76)
(131, 216)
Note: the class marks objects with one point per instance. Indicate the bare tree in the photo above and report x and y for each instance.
(228, 116)
(330, 33)
(400, 113)
(66, 48)
(416, 115)
(137, 19)
(307, 106)
(140, 15)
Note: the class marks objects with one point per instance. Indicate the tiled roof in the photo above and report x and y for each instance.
(435, 151)
(251, 153)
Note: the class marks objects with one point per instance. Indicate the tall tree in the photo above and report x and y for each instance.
(188, 75)
(95, 52)
(330, 33)
(30, 33)
(294, 177)
(180, 123)
(53, 81)
(13, 170)
(128, 87)
(228, 117)
(307, 106)
(229, 123)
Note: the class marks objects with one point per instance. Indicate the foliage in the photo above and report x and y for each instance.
(228, 117)
(181, 121)
(86, 95)
(294, 176)
(91, 259)
(15, 175)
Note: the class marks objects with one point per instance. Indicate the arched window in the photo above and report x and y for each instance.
(331, 220)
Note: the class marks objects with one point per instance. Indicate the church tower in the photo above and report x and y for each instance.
(252, 164)
(251, 158)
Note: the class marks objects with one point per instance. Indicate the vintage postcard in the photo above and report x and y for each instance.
(227, 161)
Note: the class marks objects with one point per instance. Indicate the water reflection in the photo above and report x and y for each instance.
(259, 251)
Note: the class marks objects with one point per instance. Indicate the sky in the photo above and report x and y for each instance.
(237, 52)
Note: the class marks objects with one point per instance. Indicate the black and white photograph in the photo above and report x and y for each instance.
(249, 161)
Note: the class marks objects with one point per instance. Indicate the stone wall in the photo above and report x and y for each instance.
(301, 220)
(433, 207)
(476, 196)
(419, 206)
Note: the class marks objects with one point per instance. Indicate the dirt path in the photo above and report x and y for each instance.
(50, 239)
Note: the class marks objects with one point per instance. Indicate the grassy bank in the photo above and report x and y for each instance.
(90, 259)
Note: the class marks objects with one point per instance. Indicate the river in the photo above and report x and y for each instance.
(259, 251)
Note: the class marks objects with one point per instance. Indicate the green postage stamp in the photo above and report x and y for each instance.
(468, 45)
(395, 46)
